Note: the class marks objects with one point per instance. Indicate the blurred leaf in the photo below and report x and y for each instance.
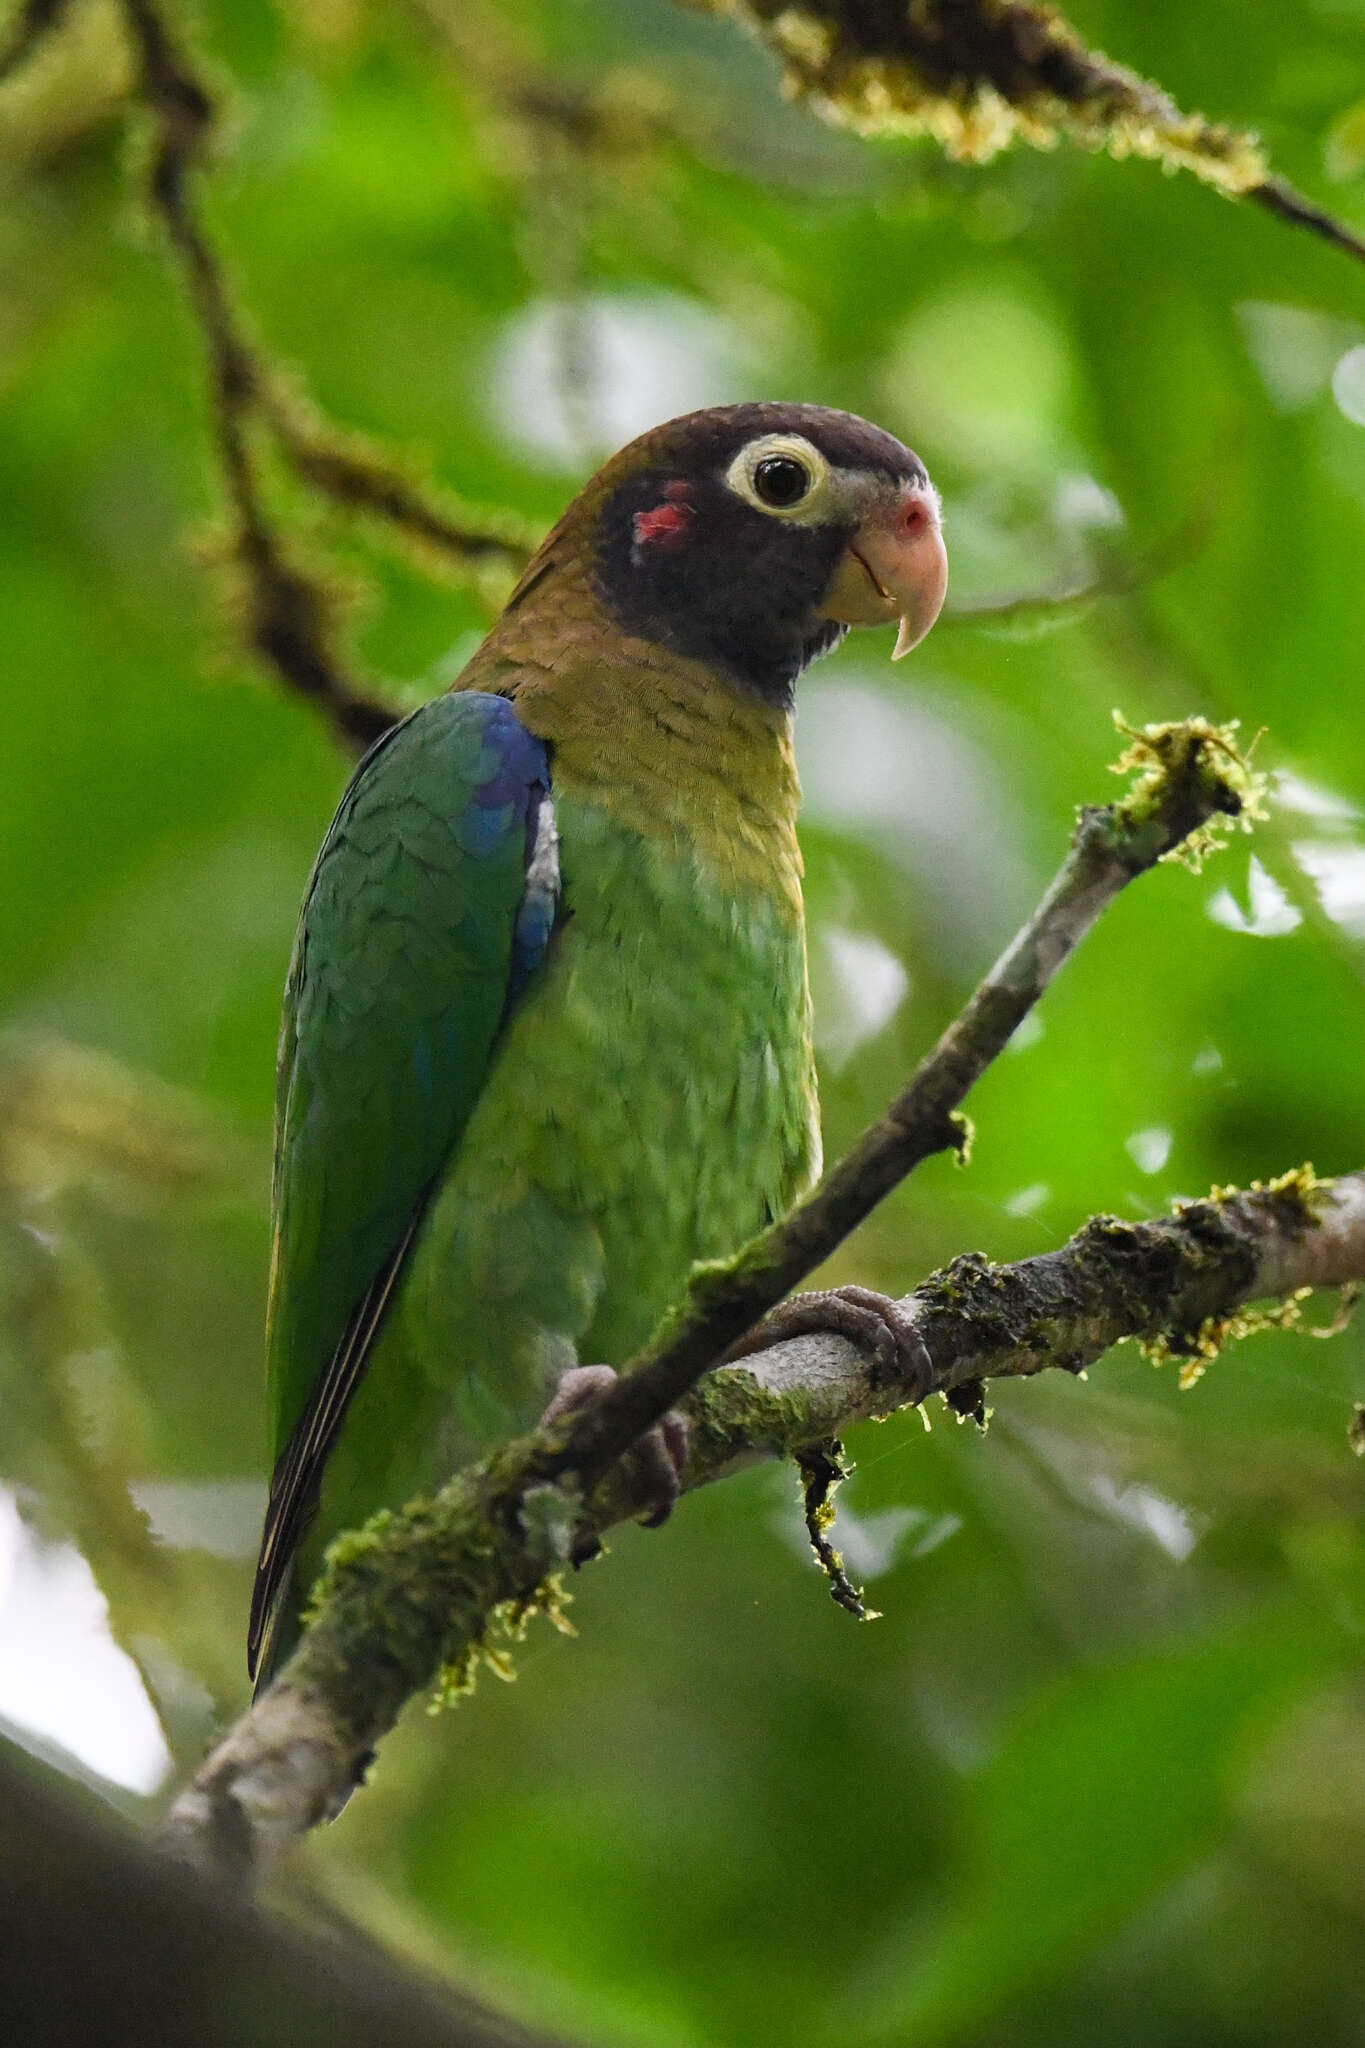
(1344, 150)
(1106, 1789)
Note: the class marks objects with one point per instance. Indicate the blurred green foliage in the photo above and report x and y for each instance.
(1096, 1777)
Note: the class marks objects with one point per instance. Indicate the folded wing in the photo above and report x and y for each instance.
(430, 905)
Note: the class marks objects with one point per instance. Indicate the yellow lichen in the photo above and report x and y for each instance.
(508, 1621)
(980, 77)
(1195, 1354)
(1301, 1181)
(1293, 1193)
(807, 42)
(1158, 755)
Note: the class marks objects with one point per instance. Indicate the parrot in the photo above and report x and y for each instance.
(547, 1038)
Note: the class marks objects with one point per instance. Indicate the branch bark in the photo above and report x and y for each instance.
(416, 1594)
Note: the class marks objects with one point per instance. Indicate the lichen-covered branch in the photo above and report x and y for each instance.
(1179, 1285)
(978, 75)
(416, 1593)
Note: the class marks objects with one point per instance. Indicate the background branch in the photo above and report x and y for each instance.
(1279, 197)
(107, 1944)
(292, 612)
(1113, 574)
(979, 75)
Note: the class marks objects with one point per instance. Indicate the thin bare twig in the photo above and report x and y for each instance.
(1114, 576)
(1279, 197)
(415, 1592)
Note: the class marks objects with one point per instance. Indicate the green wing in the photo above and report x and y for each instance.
(418, 927)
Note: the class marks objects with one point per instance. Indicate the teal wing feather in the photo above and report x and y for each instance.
(430, 903)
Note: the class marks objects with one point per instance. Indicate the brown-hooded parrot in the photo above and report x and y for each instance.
(547, 1033)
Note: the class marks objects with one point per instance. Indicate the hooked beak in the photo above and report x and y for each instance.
(895, 566)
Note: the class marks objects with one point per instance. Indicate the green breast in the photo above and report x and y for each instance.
(652, 1103)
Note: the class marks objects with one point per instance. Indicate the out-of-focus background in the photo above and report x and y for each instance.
(1098, 1775)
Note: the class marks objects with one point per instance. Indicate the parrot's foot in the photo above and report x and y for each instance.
(874, 1322)
(655, 1461)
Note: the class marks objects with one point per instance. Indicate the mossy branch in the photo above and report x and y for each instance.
(980, 75)
(289, 612)
(415, 1594)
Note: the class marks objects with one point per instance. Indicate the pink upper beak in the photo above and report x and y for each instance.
(895, 565)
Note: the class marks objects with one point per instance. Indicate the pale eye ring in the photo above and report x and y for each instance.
(781, 481)
(782, 475)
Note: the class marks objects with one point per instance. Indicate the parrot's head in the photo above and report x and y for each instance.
(753, 536)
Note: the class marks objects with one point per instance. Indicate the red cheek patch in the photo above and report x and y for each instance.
(665, 525)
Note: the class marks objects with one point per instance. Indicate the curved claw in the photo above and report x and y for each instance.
(876, 1323)
(654, 1463)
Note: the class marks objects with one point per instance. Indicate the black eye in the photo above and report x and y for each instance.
(781, 480)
